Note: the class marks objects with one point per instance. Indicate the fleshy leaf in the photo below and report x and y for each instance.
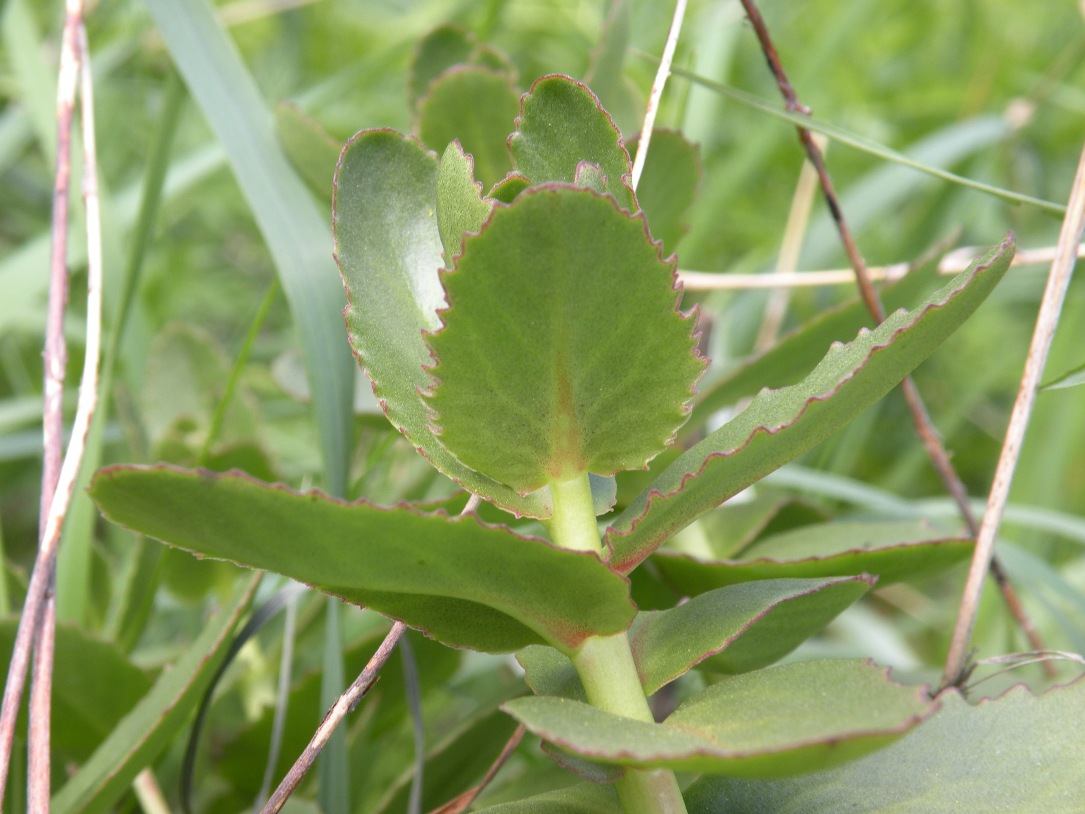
(584, 798)
(737, 629)
(465, 583)
(1016, 754)
(475, 105)
(388, 248)
(790, 359)
(782, 424)
(460, 207)
(563, 350)
(770, 723)
(731, 630)
(893, 552)
(562, 124)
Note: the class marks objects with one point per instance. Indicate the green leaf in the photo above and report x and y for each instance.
(475, 105)
(782, 424)
(584, 798)
(784, 720)
(737, 629)
(563, 339)
(460, 207)
(562, 124)
(462, 582)
(1016, 754)
(893, 551)
(668, 184)
(388, 248)
(798, 352)
(154, 722)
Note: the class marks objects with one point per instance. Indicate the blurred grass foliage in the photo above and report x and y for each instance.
(990, 91)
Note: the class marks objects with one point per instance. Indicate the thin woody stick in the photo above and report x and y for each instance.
(1046, 321)
(929, 436)
(57, 478)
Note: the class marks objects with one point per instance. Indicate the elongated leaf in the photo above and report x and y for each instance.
(782, 424)
(585, 798)
(562, 124)
(389, 251)
(562, 343)
(154, 722)
(477, 106)
(796, 354)
(295, 231)
(770, 723)
(892, 562)
(737, 629)
(462, 582)
(1016, 754)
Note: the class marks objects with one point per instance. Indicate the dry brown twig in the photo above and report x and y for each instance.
(59, 469)
(1046, 321)
(929, 436)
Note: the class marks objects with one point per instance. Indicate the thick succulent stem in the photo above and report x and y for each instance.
(605, 663)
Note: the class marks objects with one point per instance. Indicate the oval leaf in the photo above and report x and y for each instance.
(782, 424)
(561, 124)
(1016, 754)
(563, 349)
(475, 105)
(784, 720)
(389, 251)
(462, 582)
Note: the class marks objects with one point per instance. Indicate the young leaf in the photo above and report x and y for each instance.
(785, 720)
(475, 105)
(563, 350)
(460, 207)
(562, 124)
(462, 582)
(389, 251)
(1016, 754)
(782, 424)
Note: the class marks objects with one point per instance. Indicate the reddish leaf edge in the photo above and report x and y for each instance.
(923, 692)
(627, 179)
(870, 579)
(628, 563)
(416, 509)
(676, 286)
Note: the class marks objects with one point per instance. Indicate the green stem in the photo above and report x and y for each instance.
(605, 663)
